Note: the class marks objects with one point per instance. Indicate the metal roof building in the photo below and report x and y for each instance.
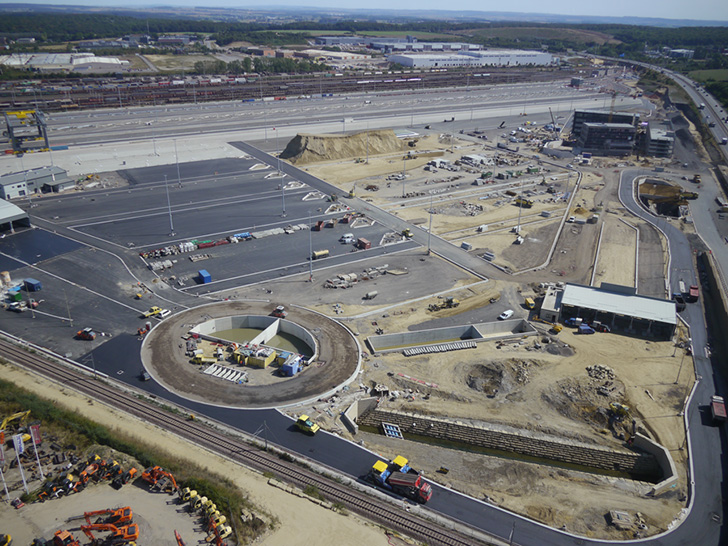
(621, 308)
(11, 216)
(43, 179)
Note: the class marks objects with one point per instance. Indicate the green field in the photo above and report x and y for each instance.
(433, 36)
(544, 33)
(717, 75)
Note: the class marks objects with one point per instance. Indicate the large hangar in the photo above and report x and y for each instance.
(621, 308)
(491, 57)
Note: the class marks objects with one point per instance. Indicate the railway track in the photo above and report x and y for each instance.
(237, 450)
(54, 96)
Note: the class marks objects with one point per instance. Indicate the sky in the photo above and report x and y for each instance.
(709, 10)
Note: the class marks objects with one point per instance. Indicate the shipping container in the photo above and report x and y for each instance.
(32, 285)
(363, 244)
(205, 277)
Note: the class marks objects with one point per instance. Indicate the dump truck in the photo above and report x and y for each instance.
(305, 424)
(717, 409)
(399, 478)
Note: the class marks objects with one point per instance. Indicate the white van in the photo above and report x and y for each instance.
(347, 238)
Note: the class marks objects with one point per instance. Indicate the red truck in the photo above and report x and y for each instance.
(717, 409)
(398, 477)
(363, 244)
(693, 293)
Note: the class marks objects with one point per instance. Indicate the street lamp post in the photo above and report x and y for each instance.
(429, 231)
(169, 207)
(310, 250)
(176, 159)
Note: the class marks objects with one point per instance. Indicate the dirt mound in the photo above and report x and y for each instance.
(499, 377)
(304, 148)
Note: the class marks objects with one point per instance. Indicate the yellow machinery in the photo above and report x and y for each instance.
(21, 417)
(529, 303)
(524, 203)
(407, 233)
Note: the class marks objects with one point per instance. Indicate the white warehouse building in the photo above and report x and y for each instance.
(491, 57)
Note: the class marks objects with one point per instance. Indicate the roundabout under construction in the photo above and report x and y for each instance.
(334, 359)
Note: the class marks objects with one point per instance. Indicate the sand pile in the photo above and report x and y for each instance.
(304, 149)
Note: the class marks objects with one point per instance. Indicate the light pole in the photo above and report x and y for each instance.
(169, 207)
(310, 250)
(176, 159)
(404, 174)
(429, 231)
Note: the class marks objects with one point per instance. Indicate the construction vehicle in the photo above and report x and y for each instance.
(165, 483)
(198, 502)
(524, 203)
(187, 494)
(6, 540)
(399, 478)
(218, 534)
(64, 538)
(717, 409)
(114, 516)
(555, 326)
(407, 233)
(153, 311)
(178, 538)
(87, 333)
(109, 471)
(21, 417)
(124, 533)
(619, 410)
(696, 179)
(529, 303)
(447, 303)
(305, 424)
(279, 312)
(217, 518)
(206, 505)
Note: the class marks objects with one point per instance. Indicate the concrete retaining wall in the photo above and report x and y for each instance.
(642, 466)
(663, 458)
(352, 413)
(486, 331)
(270, 326)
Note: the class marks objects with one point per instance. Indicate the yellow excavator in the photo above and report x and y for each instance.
(21, 417)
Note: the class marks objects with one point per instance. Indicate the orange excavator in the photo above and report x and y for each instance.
(114, 516)
(160, 479)
(64, 538)
(110, 470)
(125, 533)
(179, 540)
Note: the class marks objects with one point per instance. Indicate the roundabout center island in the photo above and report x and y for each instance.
(234, 354)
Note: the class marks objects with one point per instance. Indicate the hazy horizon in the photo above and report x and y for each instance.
(705, 10)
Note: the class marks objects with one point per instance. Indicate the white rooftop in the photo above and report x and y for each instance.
(620, 300)
(10, 212)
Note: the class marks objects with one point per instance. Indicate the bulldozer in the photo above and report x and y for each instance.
(447, 303)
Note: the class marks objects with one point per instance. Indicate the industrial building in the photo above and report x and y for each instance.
(619, 307)
(12, 216)
(511, 57)
(607, 138)
(595, 116)
(26, 130)
(659, 139)
(473, 59)
(63, 62)
(44, 179)
(422, 47)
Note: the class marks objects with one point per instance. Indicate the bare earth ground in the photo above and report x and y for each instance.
(157, 518)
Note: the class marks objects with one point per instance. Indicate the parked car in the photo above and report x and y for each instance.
(505, 315)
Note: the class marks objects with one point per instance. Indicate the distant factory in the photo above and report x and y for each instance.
(503, 57)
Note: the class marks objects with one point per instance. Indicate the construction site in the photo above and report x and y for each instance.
(553, 386)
